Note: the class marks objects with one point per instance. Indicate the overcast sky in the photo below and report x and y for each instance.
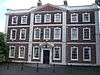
(24, 4)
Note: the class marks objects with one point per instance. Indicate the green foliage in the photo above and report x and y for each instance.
(3, 44)
(1, 57)
(97, 2)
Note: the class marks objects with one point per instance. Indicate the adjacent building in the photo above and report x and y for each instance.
(54, 34)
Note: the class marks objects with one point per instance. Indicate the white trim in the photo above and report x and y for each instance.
(45, 18)
(77, 53)
(18, 42)
(49, 34)
(19, 26)
(38, 52)
(56, 17)
(59, 53)
(36, 20)
(35, 33)
(75, 17)
(21, 33)
(59, 34)
(89, 54)
(25, 19)
(19, 52)
(80, 25)
(81, 43)
(10, 52)
(75, 38)
(89, 34)
(13, 19)
(83, 17)
(11, 34)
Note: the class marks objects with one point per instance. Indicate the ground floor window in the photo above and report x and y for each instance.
(74, 53)
(86, 53)
(56, 53)
(21, 51)
(12, 52)
(36, 52)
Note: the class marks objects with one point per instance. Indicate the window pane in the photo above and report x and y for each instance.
(22, 51)
(13, 36)
(12, 54)
(74, 53)
(37, 18)
(86, 34)
(47, 33)
(23, 34)
(47, 18)
(36, 33)
(86, 53)
(36, 52)
(56, 53)
(74, 35)
(57, 34)
(57, 18)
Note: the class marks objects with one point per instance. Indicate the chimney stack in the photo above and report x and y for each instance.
(39, 3)
(65, 3)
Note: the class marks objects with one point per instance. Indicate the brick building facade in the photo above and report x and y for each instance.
(59, 34)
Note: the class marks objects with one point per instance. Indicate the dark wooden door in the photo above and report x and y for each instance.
(46, 54)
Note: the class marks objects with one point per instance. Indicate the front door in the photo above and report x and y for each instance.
(46, 54)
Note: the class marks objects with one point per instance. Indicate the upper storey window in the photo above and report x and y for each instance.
(86, 33)
(86, 17)
(74, 17)
(37, 18)
(13, 34)
(14, 19)
(57, 17)
(47, 18)
(24, 20)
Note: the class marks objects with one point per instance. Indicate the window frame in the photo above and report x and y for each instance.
(22, 19)
(49, 34)
(20, 54)
(45, 18)
(55, 17)
(59, 34)
(11, 34)
(33, 57)
(71, 53)
(35, 33)
(13, 20)
(59, 53)
(72, 35)
(10, 52)
(84, 34)
(39, 18)
(75, 17)
(89, 54)
(21, 35)
(83, 17)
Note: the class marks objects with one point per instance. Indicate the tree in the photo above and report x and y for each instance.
(3, 46)
(97, 2)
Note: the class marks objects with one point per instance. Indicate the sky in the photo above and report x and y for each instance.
(25, 4)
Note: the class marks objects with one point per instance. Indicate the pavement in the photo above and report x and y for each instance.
(31, 69)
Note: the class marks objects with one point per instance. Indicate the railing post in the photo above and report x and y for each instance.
(8, 65)
(53, 67)
(22, 66)
(37, 67)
